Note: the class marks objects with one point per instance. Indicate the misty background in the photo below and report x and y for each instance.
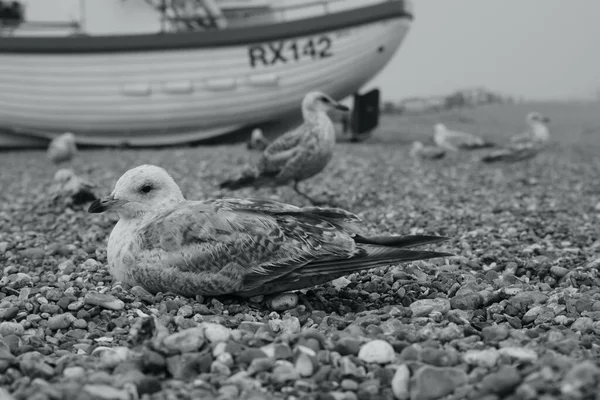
(539, 49)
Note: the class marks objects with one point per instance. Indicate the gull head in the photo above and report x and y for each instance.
(256, 135)
(68, 139)
(537, 118)
(439, 128)
(68, 136)
(140, 189)
(315, 102)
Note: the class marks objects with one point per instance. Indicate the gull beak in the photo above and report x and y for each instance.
(105, 203)
(545, 119)
(341, 107)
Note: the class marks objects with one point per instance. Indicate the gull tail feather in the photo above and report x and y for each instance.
(317, 273)
(375, 257)
(484, 145)
(508, 155)
(399, 241)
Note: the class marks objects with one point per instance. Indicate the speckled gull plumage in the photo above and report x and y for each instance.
(245, 247)
(296, 155)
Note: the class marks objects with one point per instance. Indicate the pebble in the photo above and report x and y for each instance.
(431, 383)
(75, 372)
(105, 392)
(377, 351)
(484, 358)
(347, 346)
(472, 301)
(283, 372)
(401, 383)
(215, 333)
(284, 301)
(501, 382)
(581, 375)
(11, 328)
(60, 321)
(103, 300)
(424, 307)
(185, 341)
(33, 364)
(290, 325)
(519, 353)
(304, 365)
(583, 325)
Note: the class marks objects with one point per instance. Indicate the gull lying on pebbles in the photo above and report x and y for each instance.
(62, 148)
(72, 189)
(526, 145)
(297, 155)
(257, 140)
(244, 247)
(455, 140)
(419, 150)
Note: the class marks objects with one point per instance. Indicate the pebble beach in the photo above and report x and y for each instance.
(514, 315)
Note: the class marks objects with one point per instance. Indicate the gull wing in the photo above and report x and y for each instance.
(227, 246)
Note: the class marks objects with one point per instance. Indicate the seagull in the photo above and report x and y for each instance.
(72, 189)
(243, 247)
(419, 150)
(257, 140)
(62, 148)
(297, 155)
(537, 132)
(455, 140)
(526, 145)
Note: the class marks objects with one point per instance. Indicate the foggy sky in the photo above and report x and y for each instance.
(541, 49)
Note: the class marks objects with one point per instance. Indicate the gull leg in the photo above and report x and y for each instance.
(313, 201)
(316, 202)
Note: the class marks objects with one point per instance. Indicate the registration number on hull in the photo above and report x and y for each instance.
(289, 50)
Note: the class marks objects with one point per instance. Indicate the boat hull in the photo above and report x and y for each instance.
(174, 95)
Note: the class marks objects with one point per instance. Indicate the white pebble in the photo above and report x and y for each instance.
(377, 351)
(216, 332)
(400, 383)
(284, 301)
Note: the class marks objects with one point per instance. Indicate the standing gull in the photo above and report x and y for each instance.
(455, 140)
(297, 155)
(244, 247)
(525, 145)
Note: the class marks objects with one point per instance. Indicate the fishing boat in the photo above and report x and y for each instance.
(153, 73)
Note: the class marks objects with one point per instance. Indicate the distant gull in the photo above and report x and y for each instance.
(454, 140)
(71, 189)
(297, 155)
(244, 247)
(537, 132)
(526, 145)
(420, 150)
(257, 140)
(62, 148)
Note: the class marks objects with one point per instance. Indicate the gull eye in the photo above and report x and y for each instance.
(325, 100)
(146, 188)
